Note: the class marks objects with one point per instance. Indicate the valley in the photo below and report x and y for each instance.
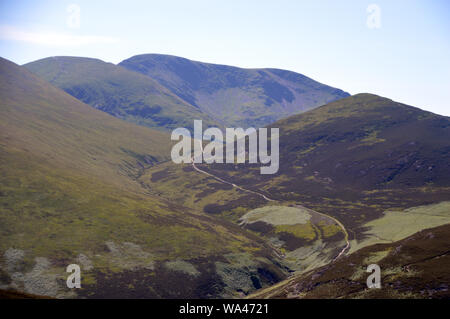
(87, 178)
(309, 212)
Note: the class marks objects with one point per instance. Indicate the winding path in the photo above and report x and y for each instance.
(344, 230)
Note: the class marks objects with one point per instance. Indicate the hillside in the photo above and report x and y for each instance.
(81, 186)
(122, 93)
(69, 194)
(354, 159)
(415, 267)
(236, 97)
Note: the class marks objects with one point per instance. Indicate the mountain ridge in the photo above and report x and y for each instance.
(122, 93)
(230, 93)
(184, 90)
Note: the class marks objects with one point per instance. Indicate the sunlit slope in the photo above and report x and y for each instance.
(40, 120)
(68, 195)
(234, 96)
(122, 93)
(398, 224)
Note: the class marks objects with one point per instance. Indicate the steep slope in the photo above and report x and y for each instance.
(415, 267)
(234, 96)
(68, 194)
(355, 158)
(118, 91)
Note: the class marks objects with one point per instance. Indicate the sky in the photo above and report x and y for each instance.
(397, 49)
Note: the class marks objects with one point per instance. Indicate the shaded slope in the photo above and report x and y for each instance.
(118, 91)
(235, 96)
(68, 194)
(11, 294)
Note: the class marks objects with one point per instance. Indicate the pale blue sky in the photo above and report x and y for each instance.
(406, 59)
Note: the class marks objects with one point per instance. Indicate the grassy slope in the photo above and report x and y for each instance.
(355, 158)
(183, 185)
(68, 194)
(122, 93)
(396, 225)
(415, 267)
(234, 96)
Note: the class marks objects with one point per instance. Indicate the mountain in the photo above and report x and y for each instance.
(353, 159)
(81, 186)
(415, 267)
(236, 97)
(122, 93)
(167, 92)
(69, 194)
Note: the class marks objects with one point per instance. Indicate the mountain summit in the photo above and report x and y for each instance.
(166, 92)
(235, 96)
(115, 90)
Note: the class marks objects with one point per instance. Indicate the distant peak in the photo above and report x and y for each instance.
(66, 59)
